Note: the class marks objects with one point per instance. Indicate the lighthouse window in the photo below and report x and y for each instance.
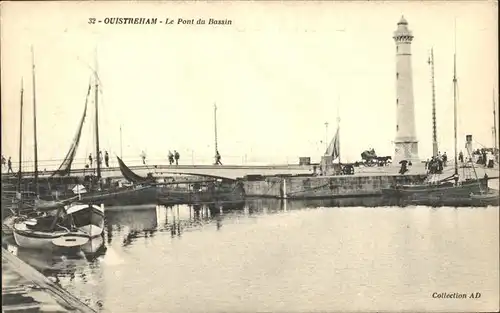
(397, 127)
(397, 100)
(397, 75)
(397, 48)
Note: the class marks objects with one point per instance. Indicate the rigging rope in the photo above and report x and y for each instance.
(65, 167)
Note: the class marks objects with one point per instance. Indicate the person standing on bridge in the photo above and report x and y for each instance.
(9, 164)
(177, 156)
(106, 158)
(217, 158)
(143, 157)
(4, 162)
(90, 159)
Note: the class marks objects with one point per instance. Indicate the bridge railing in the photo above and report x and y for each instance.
(79, 163)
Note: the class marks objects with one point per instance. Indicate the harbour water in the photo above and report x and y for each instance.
(270, 255)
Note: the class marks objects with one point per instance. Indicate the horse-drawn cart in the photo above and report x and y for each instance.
(370, 158)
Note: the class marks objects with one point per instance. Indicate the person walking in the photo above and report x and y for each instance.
(143, 157)
(9, 164)
(217, 158)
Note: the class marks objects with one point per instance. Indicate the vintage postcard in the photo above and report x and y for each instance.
(241, 156)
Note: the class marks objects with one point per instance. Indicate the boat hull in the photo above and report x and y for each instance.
(227, 193)
(426, 190)
(45, 241)
(118, 197)
(87, 219)
(132, 196)
(489, 198)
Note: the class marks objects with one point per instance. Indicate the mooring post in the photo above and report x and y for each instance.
(284, 188)
(172, 229)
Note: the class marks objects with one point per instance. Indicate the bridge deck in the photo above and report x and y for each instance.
(228, 171)
(239, 171)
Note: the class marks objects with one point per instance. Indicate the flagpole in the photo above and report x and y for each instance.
(326, 136)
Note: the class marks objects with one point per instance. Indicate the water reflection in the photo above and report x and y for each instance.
(130, 223)
(265, 249)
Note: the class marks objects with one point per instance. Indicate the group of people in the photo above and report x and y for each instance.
(91, 159)
(436, 163)
(173, 157)
(485, 157)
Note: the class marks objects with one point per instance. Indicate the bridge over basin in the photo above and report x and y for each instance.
(226, 171)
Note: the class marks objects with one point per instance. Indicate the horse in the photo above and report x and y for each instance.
(383, 161)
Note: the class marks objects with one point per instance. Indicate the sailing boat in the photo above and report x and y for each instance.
(95, 190)
(207, 189)
(448, 191)
(33, 196)
(71, 226)
(488, 196)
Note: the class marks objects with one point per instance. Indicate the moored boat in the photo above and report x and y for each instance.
(71, 226)
(27, 236)
(87, 218)
(204, 189)
(449, 188)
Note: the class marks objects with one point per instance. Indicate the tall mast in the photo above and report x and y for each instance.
(338, 132)
(21, 137)
(455, 99)
(215, 128)
(495, 125)
(455, 109)
(434, 130)
(96, 101)
(37, 189)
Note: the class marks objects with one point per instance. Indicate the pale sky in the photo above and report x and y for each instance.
(277, 74)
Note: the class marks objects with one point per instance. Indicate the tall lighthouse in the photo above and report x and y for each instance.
(406, 143)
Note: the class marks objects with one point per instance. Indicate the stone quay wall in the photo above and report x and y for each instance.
(311, 187)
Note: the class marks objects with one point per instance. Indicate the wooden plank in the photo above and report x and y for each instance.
(13, 290)
(21, 307)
